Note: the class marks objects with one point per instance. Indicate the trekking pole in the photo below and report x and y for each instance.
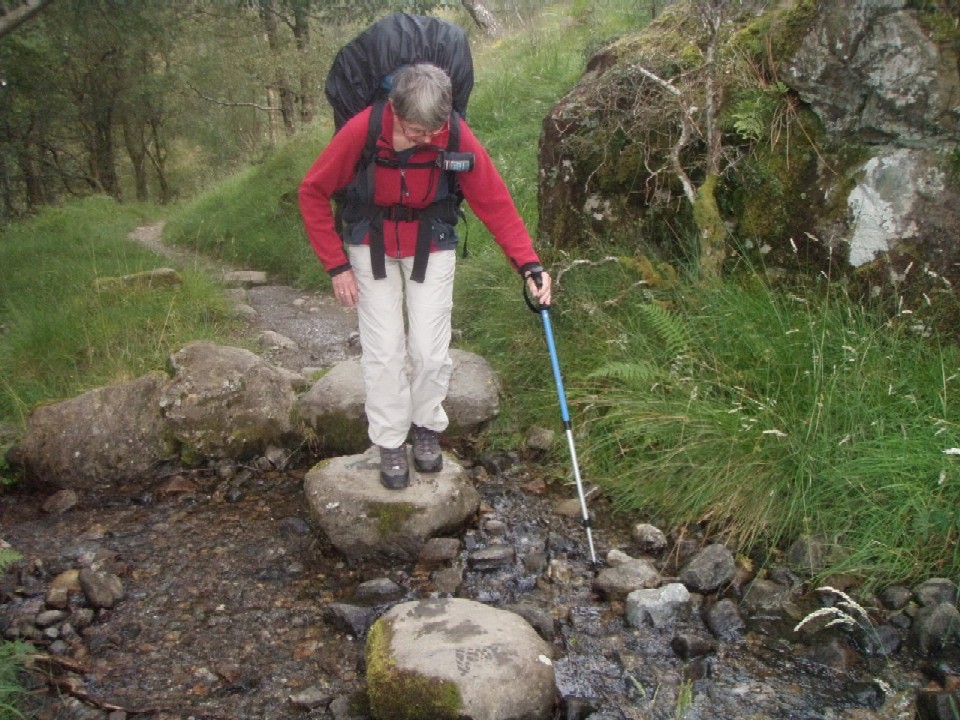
(544, 312)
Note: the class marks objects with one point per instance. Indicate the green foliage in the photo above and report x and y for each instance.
(787, 414)
(753, 114)
(13, 657)
(61, 335)
(252, 220)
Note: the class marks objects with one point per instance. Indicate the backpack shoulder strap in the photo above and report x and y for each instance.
(453, 141)
(374, 127)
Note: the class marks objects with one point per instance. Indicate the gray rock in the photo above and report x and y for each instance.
(724, 620)
(935, 627)
(362, 519)
(709, 570)
(539, 439)
(459, 658)
(60, 502)
(936, 591)
(244, 278)
(650, 538)
(50, 617)
(619, 581)
(334, 409)
(809, 555)
(658, 608)
(334, 405)
(104, 436)
(437, 551)
(764, 598)
(311, 698)
(492, 558)
(896, 597)
(101, 589)
(226, 402)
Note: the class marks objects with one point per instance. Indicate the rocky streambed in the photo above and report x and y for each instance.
(231, 604)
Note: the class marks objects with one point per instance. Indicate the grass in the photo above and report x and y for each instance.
(766, 415)
(60, 335)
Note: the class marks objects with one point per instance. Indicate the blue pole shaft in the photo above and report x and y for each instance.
(568, 427)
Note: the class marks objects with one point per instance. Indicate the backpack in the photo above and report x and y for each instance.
(361, 76)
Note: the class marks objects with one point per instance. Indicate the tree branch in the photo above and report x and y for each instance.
(10, 21)
(224, 103)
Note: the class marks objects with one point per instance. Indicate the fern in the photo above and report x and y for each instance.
(666, 330)
(633, 374)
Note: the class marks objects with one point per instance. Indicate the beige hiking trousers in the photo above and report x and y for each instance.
(406, 375)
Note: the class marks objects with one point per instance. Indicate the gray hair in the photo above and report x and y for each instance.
(422, 94)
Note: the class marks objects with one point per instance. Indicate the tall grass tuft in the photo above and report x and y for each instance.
(769, 415)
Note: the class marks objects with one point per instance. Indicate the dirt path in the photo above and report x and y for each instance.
(312, 330)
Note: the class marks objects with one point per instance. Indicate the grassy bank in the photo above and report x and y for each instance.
(60, 334)
(755, 413)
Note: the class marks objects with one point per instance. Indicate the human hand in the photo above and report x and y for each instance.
(542, 292)
(345, 288)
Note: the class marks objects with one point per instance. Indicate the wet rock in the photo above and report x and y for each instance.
(311, 698)
(365, 520)
(896, 597)
(60, 502)
(490, 660)
(936, 591)
(658, 608)
(355, 619)
(623, 578)
(724, 621)
(437, 551)
(688, 646)
(448, 580)
(379, 588)
(834, 654)
(764, 598)
(709, 570)
(102, 590)
(497, 463)
(540, 619)
(492, 558)
(649, 538)
(935, 627)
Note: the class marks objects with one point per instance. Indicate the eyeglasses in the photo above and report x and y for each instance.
(419, 133)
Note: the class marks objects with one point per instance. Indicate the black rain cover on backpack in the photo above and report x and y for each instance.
(356, 77)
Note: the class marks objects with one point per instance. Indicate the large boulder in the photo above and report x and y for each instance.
(226, 402)
(103, 436)
(365, 520)
(334, 406)
(846, 152)
(453, 658)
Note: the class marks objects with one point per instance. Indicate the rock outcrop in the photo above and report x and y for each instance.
(845, 147)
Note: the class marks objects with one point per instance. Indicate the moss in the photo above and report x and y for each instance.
(777, 32)
(391, 516)
(397, 694)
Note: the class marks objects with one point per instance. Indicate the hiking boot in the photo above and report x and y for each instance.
(427, 457)
(394, 473)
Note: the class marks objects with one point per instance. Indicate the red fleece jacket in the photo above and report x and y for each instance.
(483, 189)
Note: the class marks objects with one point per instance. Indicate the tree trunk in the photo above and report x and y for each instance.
(159, 159)
(34, 195)
(307, 98)
(103, 155)
(135, 143)
(485, 20)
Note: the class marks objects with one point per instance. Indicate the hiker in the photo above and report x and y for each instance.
(400, 243)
